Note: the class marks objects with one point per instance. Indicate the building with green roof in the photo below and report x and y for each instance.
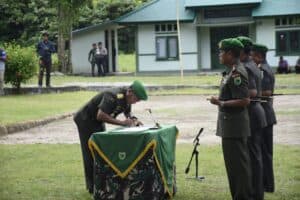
(202, 24)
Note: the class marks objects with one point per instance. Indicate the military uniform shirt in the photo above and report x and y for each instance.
(268, 83)
(233, 122)
(111, 102)
(114, 103)
(255, 109)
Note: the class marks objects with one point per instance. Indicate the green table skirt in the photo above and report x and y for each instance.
(123, 153)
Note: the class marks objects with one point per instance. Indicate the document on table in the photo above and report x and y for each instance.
(135, 129)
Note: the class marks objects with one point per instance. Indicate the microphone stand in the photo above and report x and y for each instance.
(157, 125)
(196, 154)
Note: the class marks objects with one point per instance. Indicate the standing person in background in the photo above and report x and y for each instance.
(257, 119)
(100, 57)
(2, 70)
(91, 57)
(45, 48)
(297, 66)
(268, 82)
(283, 66)
(233, 119)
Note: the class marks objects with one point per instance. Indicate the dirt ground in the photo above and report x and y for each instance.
(189, 113)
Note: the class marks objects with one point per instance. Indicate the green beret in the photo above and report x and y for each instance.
(139, 90)
(247, 42)
(230, 44)
(259, 48)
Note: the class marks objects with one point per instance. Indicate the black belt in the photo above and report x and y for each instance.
(231, 110)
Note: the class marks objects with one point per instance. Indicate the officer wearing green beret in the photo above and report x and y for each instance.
(101, 109)
(258, 54)
(233, 119)
(257, 118)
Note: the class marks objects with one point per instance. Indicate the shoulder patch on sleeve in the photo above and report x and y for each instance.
(237, 80)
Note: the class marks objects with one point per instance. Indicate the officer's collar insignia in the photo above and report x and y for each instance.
(220, 45)
(259, 65)
(120, 96)
(234, 68)
(237, 80)
(122, 155)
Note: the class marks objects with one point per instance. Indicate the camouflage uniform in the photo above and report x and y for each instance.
(142, 182)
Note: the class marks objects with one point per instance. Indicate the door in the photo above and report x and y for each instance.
(219, 33)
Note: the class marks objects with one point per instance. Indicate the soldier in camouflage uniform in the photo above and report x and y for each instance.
(233, 119)
(257, 118)
(101, 109)
(268, 82)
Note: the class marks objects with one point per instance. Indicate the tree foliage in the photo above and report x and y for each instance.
(23, 21)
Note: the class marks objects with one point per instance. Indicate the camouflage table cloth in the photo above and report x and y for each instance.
(134, 164)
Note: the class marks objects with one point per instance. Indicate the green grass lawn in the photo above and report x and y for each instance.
(48, 171)
(282, 80)
(32, 107)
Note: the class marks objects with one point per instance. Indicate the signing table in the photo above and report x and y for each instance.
(134, 163)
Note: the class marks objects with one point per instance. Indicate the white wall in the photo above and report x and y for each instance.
(146, 45)
(266, 34)
(81, 45)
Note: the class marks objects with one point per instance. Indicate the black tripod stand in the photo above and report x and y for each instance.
(196, 154)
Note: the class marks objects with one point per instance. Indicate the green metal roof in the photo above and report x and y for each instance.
(206, 3)
(277, 7)
(158, 11)
(103, 25)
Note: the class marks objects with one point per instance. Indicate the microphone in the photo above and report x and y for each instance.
(196, 138)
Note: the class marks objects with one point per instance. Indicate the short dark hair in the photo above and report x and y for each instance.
(45, 33)
(247, 50)
(99, 43)
(94, 44)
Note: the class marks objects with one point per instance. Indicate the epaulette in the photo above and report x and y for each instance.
(235, 73)
(120, 96)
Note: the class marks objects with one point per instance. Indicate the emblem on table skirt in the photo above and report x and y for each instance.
(122, 155)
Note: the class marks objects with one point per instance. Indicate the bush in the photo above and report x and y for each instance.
(21, 64)
(55, 64)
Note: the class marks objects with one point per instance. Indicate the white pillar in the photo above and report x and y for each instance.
(117, 49)
(109, 51)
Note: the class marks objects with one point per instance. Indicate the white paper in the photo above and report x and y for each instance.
(134, 129)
